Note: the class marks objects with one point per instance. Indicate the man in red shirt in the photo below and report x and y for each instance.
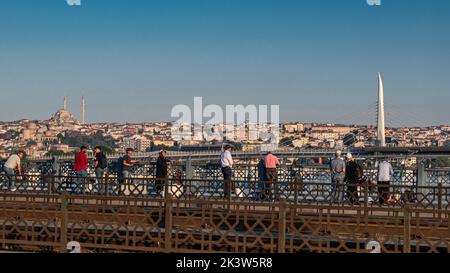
(271, 163)
(81, 163)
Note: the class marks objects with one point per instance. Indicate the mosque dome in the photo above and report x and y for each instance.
(63, 117)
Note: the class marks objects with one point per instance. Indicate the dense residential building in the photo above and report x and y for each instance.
(37, 138)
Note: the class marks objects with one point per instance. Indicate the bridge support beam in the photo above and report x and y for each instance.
(282, 227)
(168, 225)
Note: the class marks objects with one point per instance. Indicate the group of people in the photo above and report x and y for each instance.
(346, 172)
(268, 174)
(124, 168)
(81, 168)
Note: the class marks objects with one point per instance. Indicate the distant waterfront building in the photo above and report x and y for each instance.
(139, 144)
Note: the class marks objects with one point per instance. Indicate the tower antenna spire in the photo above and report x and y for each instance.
(381, 134)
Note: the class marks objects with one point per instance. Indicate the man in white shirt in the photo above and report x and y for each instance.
(385, 173)
(13, 163)
(226, 161)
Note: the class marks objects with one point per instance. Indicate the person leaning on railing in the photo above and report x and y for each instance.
(128, 164)
(13, 163)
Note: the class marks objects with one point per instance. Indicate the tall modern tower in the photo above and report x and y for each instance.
(83, 110)
(381, 136)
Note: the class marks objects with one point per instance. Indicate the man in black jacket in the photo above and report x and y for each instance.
(162, 165)
(353, 174)
(100, 166)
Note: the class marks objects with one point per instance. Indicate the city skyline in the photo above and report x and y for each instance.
(81, 118)
(318, 61)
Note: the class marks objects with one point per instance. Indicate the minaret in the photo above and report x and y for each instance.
(65, 104)
(381, 137)
(83, 110)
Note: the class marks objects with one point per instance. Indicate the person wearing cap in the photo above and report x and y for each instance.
(353, 174)
(337, 177)
(162, 165)
(226, 161)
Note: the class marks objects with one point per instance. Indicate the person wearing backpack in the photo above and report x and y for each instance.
(100, 166)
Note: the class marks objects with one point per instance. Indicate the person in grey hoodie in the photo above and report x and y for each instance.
(385, 173)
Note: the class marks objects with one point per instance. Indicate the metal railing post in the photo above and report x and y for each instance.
(366, 201)
(106, 186)
(50, 182)
(282, 227)
(189, 170)
(165, 182)
(229, 187)
(296, 188)
(421, 177)
(168, 216)
(407, 228)
(64, 222)
(440, 199)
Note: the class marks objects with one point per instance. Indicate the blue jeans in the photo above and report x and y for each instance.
(99, 174)
(127, 179)
(81, 181)
(11, 174)
(127, 175)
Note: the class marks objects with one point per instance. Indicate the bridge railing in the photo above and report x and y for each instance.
(302, 190)
(46, 223)
(242, 171)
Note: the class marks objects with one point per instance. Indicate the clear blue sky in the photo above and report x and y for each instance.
(134, 60)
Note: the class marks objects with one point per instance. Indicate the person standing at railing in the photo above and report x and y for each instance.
(337, 178)
(385, 173)
(162, 165)
(13, 163)
(100, 167)
(128, 163)
(226, 161)
(80, 168)
(353, 174)
(271, 163)
(261, 178)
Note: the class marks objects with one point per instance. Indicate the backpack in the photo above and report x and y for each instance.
(120, 166)
(104, 163)
(360, 170)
